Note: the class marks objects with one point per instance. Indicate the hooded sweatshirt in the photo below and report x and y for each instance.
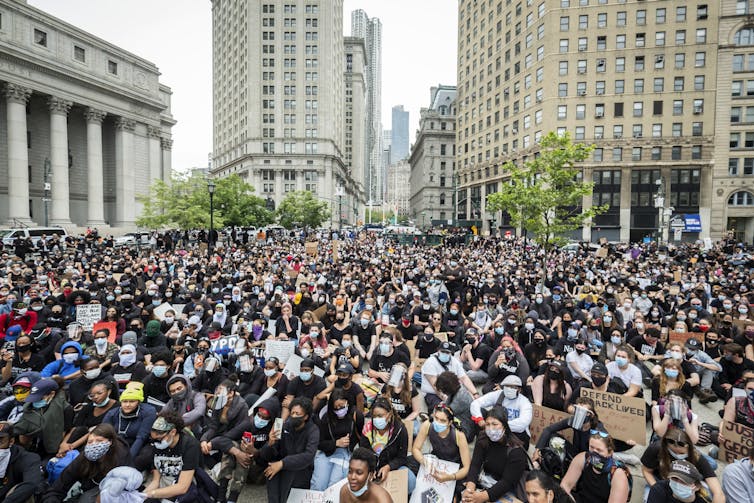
(222, 434)
(60, 367)
(192, 406)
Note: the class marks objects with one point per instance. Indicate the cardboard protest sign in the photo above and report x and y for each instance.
(397, 485)
(428, 488)
(682, 337)
(88, 315)
(542, 417)
(741, 324)
(293, 367)
(320, 312)
(329, 495)
(442, 336)
(601, 253)
(160, 310)
(624, 417)
(737, 441)
(282, 350)
(335, 256)
(110, 326)
(178, 308)
(311, 248)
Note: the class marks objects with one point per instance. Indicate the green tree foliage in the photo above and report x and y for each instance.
(545, 196)
(301, 209)
(184, 203)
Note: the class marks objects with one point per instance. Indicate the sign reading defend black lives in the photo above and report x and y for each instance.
(624, 417)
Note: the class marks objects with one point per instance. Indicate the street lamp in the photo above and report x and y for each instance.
(46, 198)
(211, 237)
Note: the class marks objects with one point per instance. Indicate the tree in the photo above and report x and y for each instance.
(301, 208)
(545, 196)
(184, 203)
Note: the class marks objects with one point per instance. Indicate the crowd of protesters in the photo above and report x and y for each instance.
(173, 394)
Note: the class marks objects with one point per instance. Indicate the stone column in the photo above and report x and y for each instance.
(625, 204)
(155, 155)
(18, 155)
(59, 109)
(705, 201)
(124, 173)
(167, 159)
(95, 176)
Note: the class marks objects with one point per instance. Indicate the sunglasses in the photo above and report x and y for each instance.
(678, 443)
(601, 433)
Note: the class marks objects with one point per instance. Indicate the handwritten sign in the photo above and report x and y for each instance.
(311, 248)
(329, 495)
(88, 315)
(737, 441)
(160, 310)
(682, 337)
(282, 350)
(623, 416)
(542, 417)
(397, 485)
(335, 256)
(427, 487)
(293, 367)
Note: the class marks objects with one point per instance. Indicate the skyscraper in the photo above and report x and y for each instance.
(399, 143)
(370, 30)
(279, 97)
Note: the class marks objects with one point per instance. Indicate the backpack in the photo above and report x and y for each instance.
(55, 466)
(520, 488)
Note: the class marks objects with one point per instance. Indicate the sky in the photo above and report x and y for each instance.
(418, 43)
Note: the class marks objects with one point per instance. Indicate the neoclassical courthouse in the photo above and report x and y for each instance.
(97, 112)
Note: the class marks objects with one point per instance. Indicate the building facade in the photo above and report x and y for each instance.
(370, 30)
(432, 161)
(279, 99)
(85, 128)
(399, 135)
(355, 88)
(648, 83)
(398, 196)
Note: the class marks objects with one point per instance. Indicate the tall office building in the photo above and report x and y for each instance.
(356, 154)
(370, 30)
(399, 137)
(279, 97)
(432, 160)
(660, 88)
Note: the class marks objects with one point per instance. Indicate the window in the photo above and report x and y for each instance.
(675, 153)
(621, 18)
(699, 83)
(600, 87)
(657, 107)
(583, 44)
(660, 38)
(741, 198)
(701, 12)
(700, 59)
(677, 107)
(737, 88)
(602, 20)
(638, 86)
(562, 90)
(744, 36)
(580, 133)
(564, 45)
(639, 63)
(601, 65)
(657, 130)
(678, 84)
(619, 86)
(680, 60)
(79, 54)
(659, 84)
(641, 17)
(659, 62)
(637, 130)
(112, 67)
(620, 41)
(696, 152)
(562, 111)
(564, 22)
(563, 67)
(735, 140)
(677, 129)
(701, 35)
(638, 108)
(640, 40)
(580, 111)
(742, 6)
(598, 154)
(656, 153)
(620, 64)
(733, 164)
(617, 154)
(583, 22)
(696, 129)
(748, 166)
(40, 37)
(660, 16)
(618, 131)
(738, 62)
(618, 109)
(680, 14)
(680, 37)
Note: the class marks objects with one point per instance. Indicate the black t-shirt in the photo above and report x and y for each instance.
(35, 363)
(382, 363)
(337, 333)
(651, 459)
(408, 332)
(400, 408)
(483, 352)
(172, 461)
(296, 387)
(352, 392)
(641, 346)
(422, 314)
(427, 348)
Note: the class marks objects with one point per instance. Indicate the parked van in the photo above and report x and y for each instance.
(9, 235)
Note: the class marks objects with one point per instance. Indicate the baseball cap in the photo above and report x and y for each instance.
(599, 368)
(345, 368)
(512, 380)
(693, 343)
(41, 388)
(307, 363)
(161, 424)
(685, 471)
(446, 346)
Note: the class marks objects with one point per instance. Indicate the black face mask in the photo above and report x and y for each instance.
(470, 340)
(295, 422)
(539, 342)
(342, 381)
(554, 375)
(599, 380)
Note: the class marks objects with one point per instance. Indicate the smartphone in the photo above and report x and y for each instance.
(247, 437)
(278, 426)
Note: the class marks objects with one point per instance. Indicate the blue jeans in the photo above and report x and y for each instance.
(411, 479)
(326, 472)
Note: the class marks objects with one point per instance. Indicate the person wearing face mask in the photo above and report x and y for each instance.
(127, 368)
(21, 316)
(517, 406)
(536, 351)
(153, 340)
(734, 364)
(306, 384)
(474, 357)
(176, 457)
(442, 361)
(20, 470)
(505, 361)
(21, 359)
(45, 418)
(551, 388)
(498, 462)
(209, 377)
(623, 368)
(590, 421)
(595, 476)
(360, 486)
(103, 452)
(247, 464)
(386, 357)
(339, 432)
(69, 364)
(607, 351)
(90, 414)
(102, 350)
(316, 339)
(190, 404)
(705, 366)
(12, 407)
(579, 362)
(155, 384)
(290, 454)
(366, 333)
(738, 479)
(132, 419)
(674, 411)
(658, 461)
(91, 372)
(647, 348)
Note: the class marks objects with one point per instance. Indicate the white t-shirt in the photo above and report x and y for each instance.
(433, 367)
(583, 361)
(630, 375)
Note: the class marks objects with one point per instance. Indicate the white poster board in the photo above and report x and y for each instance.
(427, 487)
(160, 310)
(329, 495)
(282, 350)
(293, 367)
(88, 315)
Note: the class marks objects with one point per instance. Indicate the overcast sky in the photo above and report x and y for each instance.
(418, 44)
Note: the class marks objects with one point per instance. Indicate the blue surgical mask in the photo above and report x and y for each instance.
(259, 422)
(622, 362)
(671, 373)
(39, 404)
(616, 340)
(556, 297)
(384, 348)
(360, 491)
(676, 455)
(499, 330)
(70, 358)
(439, 427)
(305, 376)
(270, 372)
(443, 357)
(681, 491)
(379, 422)
(346, 344)
(159, 370)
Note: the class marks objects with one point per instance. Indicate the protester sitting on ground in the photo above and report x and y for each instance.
(684, 485)
(738, 484)
(20, 470)
(458, 399)
(673, 411)
(541, 488)
(518, 407)
(585, 413)
(133, 419)
(595, 476)
(443, 360)
(551, 389)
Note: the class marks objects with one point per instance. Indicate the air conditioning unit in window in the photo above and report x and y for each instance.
(697, 110)
(598, 136)
(582, 93)
(600, 92)
(637, 135)
(599, 115)
(618, 135)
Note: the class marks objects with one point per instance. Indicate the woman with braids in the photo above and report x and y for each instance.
(498, 463)
(541, 488)
(103, 452)
(595, 476)
(448, 444)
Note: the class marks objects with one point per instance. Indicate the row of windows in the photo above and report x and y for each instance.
(289, 8)
(741, 166)
(637, 131)
(621, 18)
(638, 109)
(79, 53)
(640, 153)
(658, 85)
(660, 14)
(640, 40)
(640, 63)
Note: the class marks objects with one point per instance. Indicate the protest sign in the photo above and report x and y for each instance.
(624, 417)
(311, 248)
(282, 350)
(160, 310)
(737, 441)
(335, 245)
(224, 345)
(269, 393)
(329, 495)
(542, 417)
(178, 308)
(88, 315)
(293, 367)
(429, 488)
(741, 324)
(397, 485)
(110, 326)
(682, 337)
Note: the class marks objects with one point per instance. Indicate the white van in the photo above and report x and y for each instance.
(9, 235)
